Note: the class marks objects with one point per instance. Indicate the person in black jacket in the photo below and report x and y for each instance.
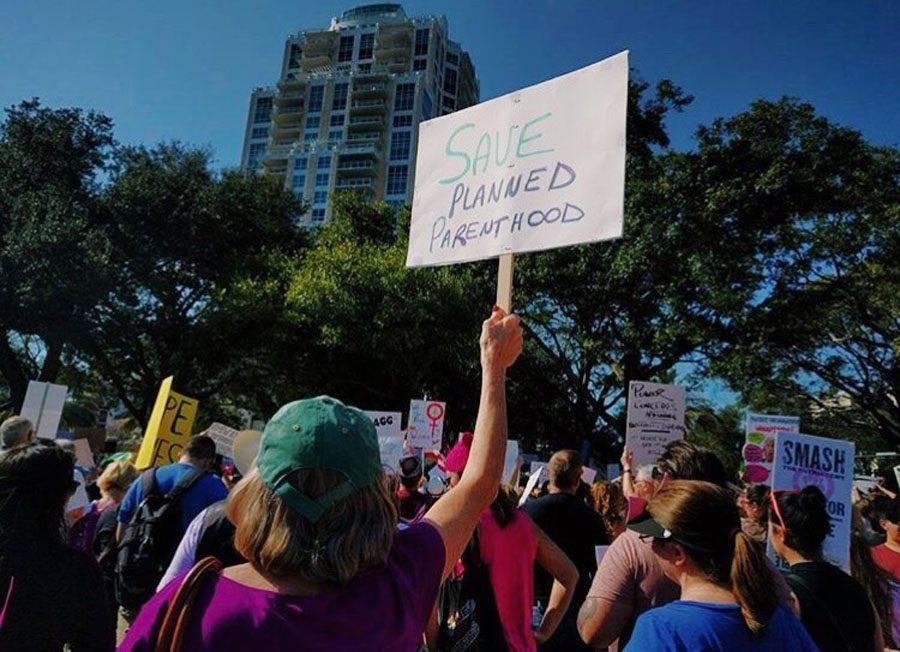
(576, 529)
(50, 595)
(834, 607)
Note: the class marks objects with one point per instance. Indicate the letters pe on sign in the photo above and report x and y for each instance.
(536, 169)
(169, 428)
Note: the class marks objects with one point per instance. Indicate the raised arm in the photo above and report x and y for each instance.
(457, 512)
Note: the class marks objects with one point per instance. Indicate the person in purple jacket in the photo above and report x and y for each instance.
(327, 567)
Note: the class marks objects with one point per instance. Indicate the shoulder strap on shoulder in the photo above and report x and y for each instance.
(148, 482)
(183, 485)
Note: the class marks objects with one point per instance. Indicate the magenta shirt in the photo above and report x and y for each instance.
(509, 554)
(382, 609)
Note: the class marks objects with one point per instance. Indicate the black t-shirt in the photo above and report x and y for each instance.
(834, 607)
(576, 529)
(57, 598)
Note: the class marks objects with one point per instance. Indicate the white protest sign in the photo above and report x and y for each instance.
(600, 553)
(533, 481)
(536, 467)
(426, 424)
(802, 460)
(536, 169)
(390, 437)
(587, 475)
(510, 461)
(223, 436)
(758, 452)
(83, 454)
(655, 418)
(43, 406)
(79, 499)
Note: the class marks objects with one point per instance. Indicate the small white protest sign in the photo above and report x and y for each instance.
(390, 437)
(79, 499)
(539, 168)
(588, 474)
(510, 461)
(43, 406)
(223, 436)
(612, 472)
(600, 553)
(655, 418)
(533, 481)
(426, 424)
(758, 452)
(803, 460)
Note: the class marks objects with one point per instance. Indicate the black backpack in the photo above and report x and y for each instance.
(149, 541)
(467, 608)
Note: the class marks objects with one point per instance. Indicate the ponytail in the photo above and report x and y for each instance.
(751, 583)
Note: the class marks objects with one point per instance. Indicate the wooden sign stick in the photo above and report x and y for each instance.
(505, 282)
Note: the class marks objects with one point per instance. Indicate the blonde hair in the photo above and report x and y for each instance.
(355, 535)
(704, 511)
(117, 476)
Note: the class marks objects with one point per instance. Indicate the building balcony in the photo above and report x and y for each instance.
(363, 122)
(369, 90)
(316, 43)
(387, 52)
(398, 34)
(360, 149)
(367, 106)
(314, 62)
(356, 168)
(290, 97)
(291, 82)
(364, 137)
(351, 182)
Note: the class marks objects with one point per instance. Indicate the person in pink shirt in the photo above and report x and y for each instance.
(509, 544)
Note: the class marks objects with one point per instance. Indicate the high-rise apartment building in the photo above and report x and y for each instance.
(346, 110)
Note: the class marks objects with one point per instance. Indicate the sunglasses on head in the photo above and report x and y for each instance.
(776, 508)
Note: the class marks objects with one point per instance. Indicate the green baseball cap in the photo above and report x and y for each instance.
(318, 433)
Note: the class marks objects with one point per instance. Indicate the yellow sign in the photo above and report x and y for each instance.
(169, 427)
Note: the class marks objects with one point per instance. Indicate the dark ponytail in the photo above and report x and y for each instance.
(805, 515)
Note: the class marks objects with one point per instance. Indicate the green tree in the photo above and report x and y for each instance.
(53, 255)
(200, 262)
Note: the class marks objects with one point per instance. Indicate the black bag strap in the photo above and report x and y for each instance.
(184, 485)
(796, 578)
(148, 483)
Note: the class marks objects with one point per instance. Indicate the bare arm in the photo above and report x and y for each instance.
(456, 513)
(565, 577)
(627, 474)
(600, 622)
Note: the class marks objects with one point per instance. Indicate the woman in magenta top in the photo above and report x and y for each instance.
(509, 545)
(327, 568)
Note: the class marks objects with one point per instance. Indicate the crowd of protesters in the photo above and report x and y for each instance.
(321, 547)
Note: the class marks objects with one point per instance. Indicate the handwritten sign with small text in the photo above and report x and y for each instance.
(426, 424)
(655, 418)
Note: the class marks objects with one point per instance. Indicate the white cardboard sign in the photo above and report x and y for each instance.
(426, 424)
(802, 460)
(223, 436)
(43, 406)
(390, 437)
(588, 474)
(655, 418)
(533, 481)
(510, 461)
(539, 168)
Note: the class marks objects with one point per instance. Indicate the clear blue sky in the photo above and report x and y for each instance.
(167, 69)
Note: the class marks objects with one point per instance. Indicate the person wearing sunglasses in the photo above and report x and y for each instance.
(834, 607)
(727, 601)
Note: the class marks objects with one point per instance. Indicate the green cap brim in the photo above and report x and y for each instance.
(649, 528)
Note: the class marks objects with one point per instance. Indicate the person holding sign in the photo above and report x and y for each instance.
(317, 521)
(727, 602)
(834, 607)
